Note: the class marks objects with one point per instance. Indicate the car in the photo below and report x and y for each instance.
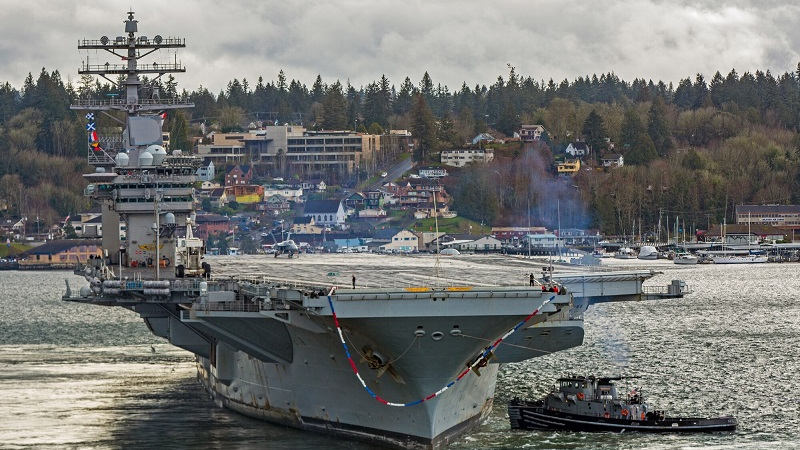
(384, 174)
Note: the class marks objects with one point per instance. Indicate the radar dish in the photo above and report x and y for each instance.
(104, 40)
(157, 39)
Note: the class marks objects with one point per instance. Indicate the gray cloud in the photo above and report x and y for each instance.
(455, 41)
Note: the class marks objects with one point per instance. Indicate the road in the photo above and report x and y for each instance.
(392, 173)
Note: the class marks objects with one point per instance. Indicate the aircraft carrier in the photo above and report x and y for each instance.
(403, 358)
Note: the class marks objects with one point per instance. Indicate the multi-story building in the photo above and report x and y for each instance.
(569, 167)
(285, 150)
(782, 217)
(208, 224)
(530, 133)
(239, 175)
(433, 172)
(460, 158)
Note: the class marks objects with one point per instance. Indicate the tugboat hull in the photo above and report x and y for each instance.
(533, 416)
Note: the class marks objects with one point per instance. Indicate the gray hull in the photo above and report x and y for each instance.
(405, 350)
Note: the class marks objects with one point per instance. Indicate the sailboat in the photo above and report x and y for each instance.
(729, 258)
(685, 258)
(682, 256)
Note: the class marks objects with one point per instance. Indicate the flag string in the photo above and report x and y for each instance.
(479, 361)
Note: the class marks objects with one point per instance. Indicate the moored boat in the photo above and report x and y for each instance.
(739, 259)
(625, 253)
(589, 403)
(685, 259)
(648, 252)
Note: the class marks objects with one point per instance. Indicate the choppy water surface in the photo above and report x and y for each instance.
(81, 376)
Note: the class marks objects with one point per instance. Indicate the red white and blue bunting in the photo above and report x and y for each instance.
(480, 361)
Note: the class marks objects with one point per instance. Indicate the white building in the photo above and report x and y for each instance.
(613, 160)
(460, 158)
(484, 243)
(433, 172)
(403, 241)
(530, 133)
(545, 240)
(577, 149)
(325, 212)
(206, 173)
(291, 194)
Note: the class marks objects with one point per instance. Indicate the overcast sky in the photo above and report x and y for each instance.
(454, 40)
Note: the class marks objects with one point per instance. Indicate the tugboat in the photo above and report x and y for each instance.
(589, 403)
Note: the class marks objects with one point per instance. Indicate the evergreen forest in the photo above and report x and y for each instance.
(691, 151)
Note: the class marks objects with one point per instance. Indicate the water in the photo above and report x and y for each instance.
(89, 377)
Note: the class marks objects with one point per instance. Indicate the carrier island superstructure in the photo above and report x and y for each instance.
(410, 366)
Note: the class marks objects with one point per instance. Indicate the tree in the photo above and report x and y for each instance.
(378, 102)
(231, 118)
(423, 128)
(475, 195)
(594, 133)
(446, 132)
(657, 127)
(179, 132)
(373, 129)
(631, 129)
(509, 122)
(334, 108)
(405, 97)
(641, 151)
(684, 94)
(318, 90)
(692, 160)
(426, 87)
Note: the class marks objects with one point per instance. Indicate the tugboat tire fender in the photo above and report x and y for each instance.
(580, 396)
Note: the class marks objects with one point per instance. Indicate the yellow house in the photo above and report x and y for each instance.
(569, 167)
(306, 225)
(246, 194)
